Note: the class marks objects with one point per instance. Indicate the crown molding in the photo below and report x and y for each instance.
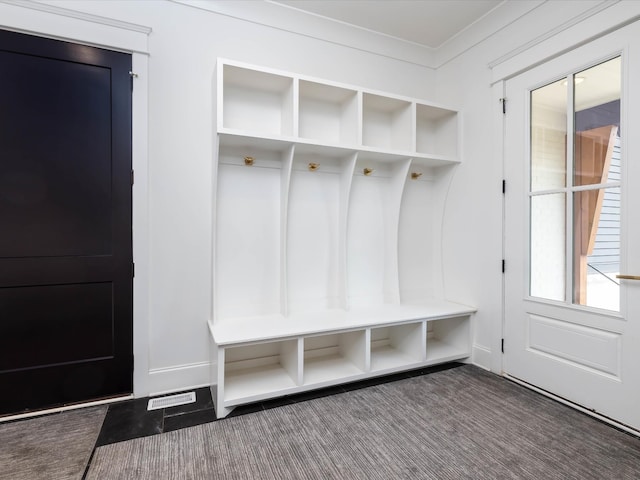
(599, 20)
(44, 7)
(290, 19)
(554, 31)
(493, 22)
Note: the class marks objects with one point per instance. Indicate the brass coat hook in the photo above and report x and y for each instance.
(313, 166)
(367, 171)
(248, 161)
(415, 175)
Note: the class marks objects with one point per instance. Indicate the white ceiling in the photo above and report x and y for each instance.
(430, 23)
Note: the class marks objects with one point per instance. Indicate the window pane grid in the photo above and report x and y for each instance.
(574, 205)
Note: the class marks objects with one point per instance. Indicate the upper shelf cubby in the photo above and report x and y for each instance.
(436, 131)
(328, 114)
(275, 105)
(257, 102)
(387, 123)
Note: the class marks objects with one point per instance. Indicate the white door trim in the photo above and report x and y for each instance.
(63, 24)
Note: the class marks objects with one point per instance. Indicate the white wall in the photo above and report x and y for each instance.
(174, 99)
(473, 221)
(174, 281)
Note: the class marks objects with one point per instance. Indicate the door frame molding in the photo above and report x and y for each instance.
(59, 23)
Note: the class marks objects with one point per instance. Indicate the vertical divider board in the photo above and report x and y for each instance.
(285, 190)
(214, 236)
(368, 351)
(300, 357)
(346, 180)
(394, 203)
(217, 393)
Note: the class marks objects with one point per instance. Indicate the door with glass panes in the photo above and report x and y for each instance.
(572, 227)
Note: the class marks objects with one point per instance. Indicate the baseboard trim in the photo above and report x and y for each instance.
(481, 357)
(179, 378)
(38, 413)
(575, 406)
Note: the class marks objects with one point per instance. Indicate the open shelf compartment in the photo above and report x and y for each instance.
(387, 123)
(328, 113)
(257, 102)
(314, 272)
(258, 371)
(448, 339)
(436, 131)
(249, 203)
(328, 358)
(397, 346)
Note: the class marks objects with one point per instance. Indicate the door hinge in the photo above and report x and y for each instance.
(503, 265)
(133, 269)
(504, 186)
(132, 178)
(502, 346)
(503, 101)
(132, 75)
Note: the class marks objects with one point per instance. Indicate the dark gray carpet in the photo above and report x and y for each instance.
(454, 424)
(52, 447)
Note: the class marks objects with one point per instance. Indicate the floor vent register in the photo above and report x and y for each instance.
(171, 401)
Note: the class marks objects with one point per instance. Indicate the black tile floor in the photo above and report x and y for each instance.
(131, 419)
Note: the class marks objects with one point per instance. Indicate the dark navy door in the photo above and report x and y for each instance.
(65, 223)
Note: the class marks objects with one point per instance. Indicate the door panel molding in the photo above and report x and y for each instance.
(591, 348)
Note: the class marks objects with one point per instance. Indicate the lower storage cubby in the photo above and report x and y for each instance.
(397, 346)
(258, 371)
(448, 339)
(329, 358)
(259, 358)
